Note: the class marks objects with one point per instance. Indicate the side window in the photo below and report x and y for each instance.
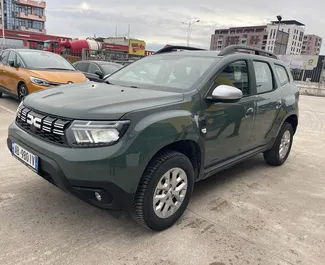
(19, 61)
(93, 68)
(83, 67)
(264, 78)
(236, 75)
(5, 57)
(282, 74)
(12, 57)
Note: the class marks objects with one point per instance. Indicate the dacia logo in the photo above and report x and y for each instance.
(35, 121)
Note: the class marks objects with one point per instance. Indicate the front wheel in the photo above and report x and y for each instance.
(22, 91)
(164, 191)
(280, 151)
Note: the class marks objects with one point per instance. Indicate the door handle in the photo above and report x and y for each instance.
(278, 104)
(249, 112)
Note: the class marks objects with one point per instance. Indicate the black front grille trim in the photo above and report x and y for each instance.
(46, 127)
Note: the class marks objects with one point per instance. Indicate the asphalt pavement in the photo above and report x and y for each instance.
(250, 214)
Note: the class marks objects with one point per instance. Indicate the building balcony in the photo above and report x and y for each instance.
(23, 28)
(30, 16)
(41, 4)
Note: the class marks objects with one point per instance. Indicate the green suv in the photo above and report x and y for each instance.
(141, 140)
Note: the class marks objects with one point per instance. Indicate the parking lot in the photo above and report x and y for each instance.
(250, 214)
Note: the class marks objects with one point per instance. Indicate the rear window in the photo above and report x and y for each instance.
(282, 74)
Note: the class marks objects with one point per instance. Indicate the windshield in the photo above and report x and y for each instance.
(110, 68)
(168, 71)
(45, 61)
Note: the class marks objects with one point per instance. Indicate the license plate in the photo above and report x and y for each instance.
(25, 156)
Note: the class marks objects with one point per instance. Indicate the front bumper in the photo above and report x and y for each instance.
(82, 172)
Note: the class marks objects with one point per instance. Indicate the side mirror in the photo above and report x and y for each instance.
(11, 63)
(99, 73)
(227, 94)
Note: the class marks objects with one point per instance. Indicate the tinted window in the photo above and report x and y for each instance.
(83, 67)
(110, 68)
(45, 61)
(166, 71)
(236, 75)
(4, 57)
(282, 74)
(93, 68)
(264, 79)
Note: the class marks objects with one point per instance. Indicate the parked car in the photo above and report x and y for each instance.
(142, 139)
(24, 71)
(97, 70)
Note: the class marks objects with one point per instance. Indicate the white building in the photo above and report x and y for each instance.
(295, 30)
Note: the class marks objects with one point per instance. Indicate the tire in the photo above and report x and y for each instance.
(143, 210)
(22, 91)
(1, 94)
(273, 156)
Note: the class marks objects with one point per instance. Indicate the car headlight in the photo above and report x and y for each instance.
(95, 133)
(39, 81)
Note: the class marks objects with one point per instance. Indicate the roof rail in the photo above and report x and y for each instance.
(232, 49)
(172, 48)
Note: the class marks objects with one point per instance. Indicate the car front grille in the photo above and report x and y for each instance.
(47, 127)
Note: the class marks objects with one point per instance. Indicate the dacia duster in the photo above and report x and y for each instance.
(142, 139)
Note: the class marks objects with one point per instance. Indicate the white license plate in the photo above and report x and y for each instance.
(25, 156)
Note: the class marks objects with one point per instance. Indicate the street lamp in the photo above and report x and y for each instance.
(189, 30)
(276, 40)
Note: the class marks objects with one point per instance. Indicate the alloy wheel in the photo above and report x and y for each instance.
(170, 192)
(284, 144)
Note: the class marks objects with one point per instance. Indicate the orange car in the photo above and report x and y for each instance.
(24, 71)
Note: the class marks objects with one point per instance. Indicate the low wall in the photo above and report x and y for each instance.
(311, 89)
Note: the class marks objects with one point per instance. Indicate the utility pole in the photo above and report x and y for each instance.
(189, 30)
(321, 73)
(3, 22)
(129, 30)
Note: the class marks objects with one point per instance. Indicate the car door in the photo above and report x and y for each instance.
(3, 69)
(269, 102)
(93, 68)
(229, 125)
(12, 76)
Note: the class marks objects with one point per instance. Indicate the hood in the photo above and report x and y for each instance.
(62, 77)
(97, 101)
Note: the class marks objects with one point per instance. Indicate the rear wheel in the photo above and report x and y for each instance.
(1, 94)
(280, 151)
(22, 91)
(164, 191)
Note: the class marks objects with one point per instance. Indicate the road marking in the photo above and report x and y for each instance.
(9, 110)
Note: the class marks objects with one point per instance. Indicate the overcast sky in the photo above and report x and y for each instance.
(159, 22)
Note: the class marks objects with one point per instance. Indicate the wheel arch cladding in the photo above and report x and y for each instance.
(176, 130)
(293, 120)
(19, 84)
(189, 148)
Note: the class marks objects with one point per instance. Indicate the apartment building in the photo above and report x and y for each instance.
(292, 40)
(311, 45)
(24, 15)
(255, 36)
